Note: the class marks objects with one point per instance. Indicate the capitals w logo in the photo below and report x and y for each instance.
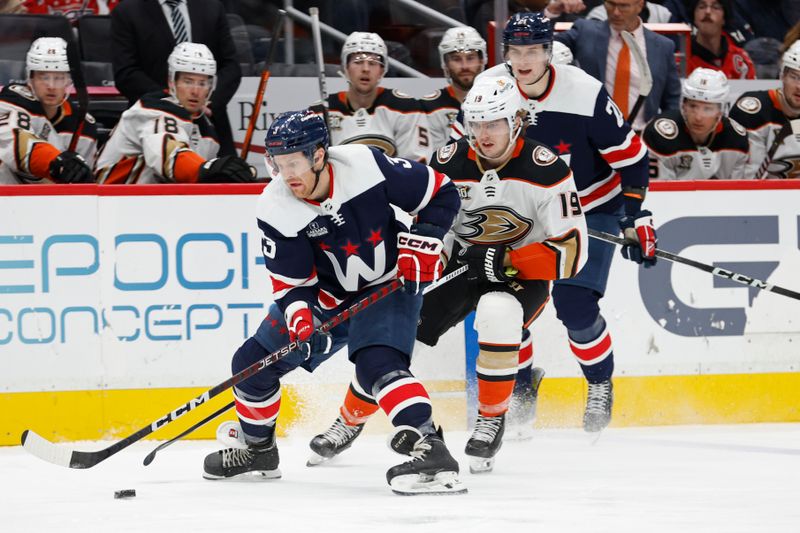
(355, 268)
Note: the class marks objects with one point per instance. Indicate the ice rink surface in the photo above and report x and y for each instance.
(711, 478)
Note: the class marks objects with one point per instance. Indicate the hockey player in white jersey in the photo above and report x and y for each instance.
(699, 141)
(462, 52)
(167, 138)
(520, 226)
(37, 122)
(772, 120)
(366, 113)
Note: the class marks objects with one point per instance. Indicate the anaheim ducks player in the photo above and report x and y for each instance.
(770, 115)
(37, 123)
(462, 52)
(167, 138)
(520, 226)
(699, 141)
(366, 113)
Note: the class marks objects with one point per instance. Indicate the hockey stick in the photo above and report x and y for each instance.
(791, 127)
(721, 272)
(73, 58)
(203, 422)
(323, 80)
(645, 76)
(61, 456)
(262, 84)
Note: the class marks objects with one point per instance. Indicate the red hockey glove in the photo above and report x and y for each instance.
(300, 323)
(419, 260)
(640, 238)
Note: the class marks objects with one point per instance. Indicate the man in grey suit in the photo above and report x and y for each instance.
(600, 51)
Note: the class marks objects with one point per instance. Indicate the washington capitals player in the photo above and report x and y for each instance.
(772, 120)
(699, 141)
(572, 112)
(167, 138)
(37, 123)
(389, 120)
(329, 236)
(520, 226)
(462, 52)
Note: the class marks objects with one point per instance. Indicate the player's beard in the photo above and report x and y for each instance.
(458, 79)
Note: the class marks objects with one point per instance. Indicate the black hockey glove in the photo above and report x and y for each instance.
(226, 169)
(69, 167)
(485, 263)
(640, 238)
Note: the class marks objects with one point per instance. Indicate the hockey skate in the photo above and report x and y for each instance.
(599, 401)
(256, 461)
(333, 441)
(485, 442)
(230, 435)
(432, 470)
(522, 409)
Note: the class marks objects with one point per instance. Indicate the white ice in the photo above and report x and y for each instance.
(676, 479)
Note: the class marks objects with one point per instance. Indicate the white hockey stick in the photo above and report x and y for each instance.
(645, 76)
(323, 80)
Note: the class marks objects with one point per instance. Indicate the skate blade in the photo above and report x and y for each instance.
(442, 483)
(481, 465)
(255, 475)
(316, 459)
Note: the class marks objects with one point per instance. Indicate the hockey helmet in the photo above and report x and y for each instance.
(706, 85)
(791, 57)
(192, 58)
(296, 131)
(489, 99)
(562, 55)
(47, 54)
(461, 39)
(528, 28)
(364, 42)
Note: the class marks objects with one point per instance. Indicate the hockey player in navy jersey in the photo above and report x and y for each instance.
(520, 226)
(462, 52)
(572, 112)
(329, 236)
(366, 113)
(699, 141)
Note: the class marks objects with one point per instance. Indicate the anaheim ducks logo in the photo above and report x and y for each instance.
(749, 104)
(384, 144)
(494, 225)
(445, 153)
(666, 127)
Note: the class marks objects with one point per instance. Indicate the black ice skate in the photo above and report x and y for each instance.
(599, 400)
(486, 440)
(259, 461)
(522, 409)
(333, 441)
(432, 469)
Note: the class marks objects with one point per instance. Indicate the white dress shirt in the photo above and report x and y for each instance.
(614, 47)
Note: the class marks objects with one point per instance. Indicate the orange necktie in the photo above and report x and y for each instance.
(622, 79)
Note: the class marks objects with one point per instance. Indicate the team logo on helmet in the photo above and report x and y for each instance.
(666, 127)
(543, 157)
(494, 225)
(749, 104)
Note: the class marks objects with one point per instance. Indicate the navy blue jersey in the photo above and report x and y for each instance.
(324, 252)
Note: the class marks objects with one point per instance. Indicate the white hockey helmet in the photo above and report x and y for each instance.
(192, 58)
(791, 57)
(562, 55)
(461, 39)
(365, 42)
(47, 54)
(493, 98)
(706, 85)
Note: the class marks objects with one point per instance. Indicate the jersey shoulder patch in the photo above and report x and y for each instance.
(749, 104)
(23, 91)
(738, 128)
(666, 127)
(432, 96)
(22, 96)
(536, 164)
(732, 137)
(446, 153)
(162, 102)
(543, 156)
(753, 109)
(665, 134)
(398, 101)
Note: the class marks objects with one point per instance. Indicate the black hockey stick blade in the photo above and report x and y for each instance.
(73, 58)
(203, 422)
(716, 271)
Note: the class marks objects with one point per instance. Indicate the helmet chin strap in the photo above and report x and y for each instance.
(544, 73)
(317, 173)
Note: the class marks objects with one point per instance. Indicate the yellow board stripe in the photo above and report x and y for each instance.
(650, 400)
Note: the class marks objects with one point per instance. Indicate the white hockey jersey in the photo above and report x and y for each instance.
(444, 116)
(675, 156)
(396, 124)
(29, 141)
(761, 114)
(156, 141)
(530, 204)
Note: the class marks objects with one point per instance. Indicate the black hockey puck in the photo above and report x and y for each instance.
(125, 493)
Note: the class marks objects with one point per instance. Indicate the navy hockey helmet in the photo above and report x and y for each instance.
(296, 131)
(528, 28)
